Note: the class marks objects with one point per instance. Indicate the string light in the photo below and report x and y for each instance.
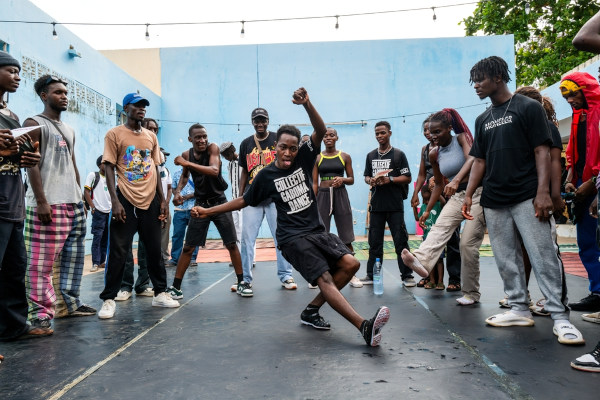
(242, 32)
(55, 36)
(147, 33)
(527, 8)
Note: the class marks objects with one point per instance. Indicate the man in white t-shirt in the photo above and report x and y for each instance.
(98, 201)
(167, 181)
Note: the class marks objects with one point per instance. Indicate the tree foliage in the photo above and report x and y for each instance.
(542, 38)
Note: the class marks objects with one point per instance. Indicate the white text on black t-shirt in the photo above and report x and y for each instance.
(294, 191)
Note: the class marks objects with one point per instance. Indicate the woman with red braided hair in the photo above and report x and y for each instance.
(451, 163)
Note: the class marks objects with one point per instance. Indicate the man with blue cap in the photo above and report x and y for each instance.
(138, 204)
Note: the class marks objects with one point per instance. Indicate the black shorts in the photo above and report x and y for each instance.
(313, 255)
(198, 227)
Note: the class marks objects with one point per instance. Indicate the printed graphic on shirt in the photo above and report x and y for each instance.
(498, 122)
(379, 167)
(8, 166)
(61, 144)
(138, 164)
(294, 191)
(256, 161)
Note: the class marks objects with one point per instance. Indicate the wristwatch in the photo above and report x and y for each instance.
(391, 179)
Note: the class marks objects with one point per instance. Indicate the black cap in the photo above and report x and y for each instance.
(166, 153)
(260, 112)
(99, 161)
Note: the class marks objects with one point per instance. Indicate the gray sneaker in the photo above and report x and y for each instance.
(367, 280)
(409, 282)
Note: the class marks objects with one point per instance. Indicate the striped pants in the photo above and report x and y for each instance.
(62, 241)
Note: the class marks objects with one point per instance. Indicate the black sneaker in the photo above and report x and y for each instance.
(314, 319)
(589, 303)
(83, 311)
(588, 362)
(371, 329)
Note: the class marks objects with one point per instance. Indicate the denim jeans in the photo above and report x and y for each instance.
(100, 241)
(181, 220)
(252, 218)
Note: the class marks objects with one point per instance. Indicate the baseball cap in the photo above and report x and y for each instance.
(260, 112)
(224, 146)
(166, 153)
(134, 98)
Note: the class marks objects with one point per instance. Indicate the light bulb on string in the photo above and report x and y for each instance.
(238, 127)
(527, 8)
(434, 16)
(337, 22)
(54, 34)
(147, 33)
(243, 32)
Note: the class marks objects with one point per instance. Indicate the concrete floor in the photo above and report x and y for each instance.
(221, 345)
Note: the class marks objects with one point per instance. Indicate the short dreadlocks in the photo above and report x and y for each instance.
(490, 67)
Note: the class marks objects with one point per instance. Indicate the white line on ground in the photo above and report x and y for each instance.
(121, 349)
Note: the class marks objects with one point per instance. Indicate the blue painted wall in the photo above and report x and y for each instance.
(95, 83)
(400, 81)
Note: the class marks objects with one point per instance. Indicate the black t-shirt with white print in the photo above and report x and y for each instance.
(291, 190)
(387, 197)
(506, 139)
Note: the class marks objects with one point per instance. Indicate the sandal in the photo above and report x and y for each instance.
(453, 287)
(562, 330)
(440, 286)
(422, 282)
(429, 285)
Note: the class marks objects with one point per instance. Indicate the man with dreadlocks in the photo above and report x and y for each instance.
(512, 150)
(451, 163)
(582, 92)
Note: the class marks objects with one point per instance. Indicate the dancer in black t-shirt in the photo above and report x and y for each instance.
(388, 175)
(512, 156)
(320, 257)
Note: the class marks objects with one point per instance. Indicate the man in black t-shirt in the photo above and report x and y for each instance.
(320, 257)
(512, 156)
(388, 174)
(13, 257)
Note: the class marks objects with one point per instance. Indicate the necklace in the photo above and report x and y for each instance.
(492, 113)
(385, 152)
(138, 130)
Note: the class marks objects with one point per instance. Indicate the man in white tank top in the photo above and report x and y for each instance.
(55, 217)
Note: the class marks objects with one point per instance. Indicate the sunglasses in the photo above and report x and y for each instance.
(53, 79)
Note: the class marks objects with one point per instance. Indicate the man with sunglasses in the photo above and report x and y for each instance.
(55, 217)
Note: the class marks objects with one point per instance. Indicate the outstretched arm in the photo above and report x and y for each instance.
(300, 96)
(588, 37)
(235, 204)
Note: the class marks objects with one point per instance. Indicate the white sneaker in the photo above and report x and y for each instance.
(108, 309)
(163, 299)
(233, 287)
(94, 268)
(123, 295)
(148, 292)
(355, 282)
(289, 284)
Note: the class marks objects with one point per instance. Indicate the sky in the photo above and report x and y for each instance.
(401, 25)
